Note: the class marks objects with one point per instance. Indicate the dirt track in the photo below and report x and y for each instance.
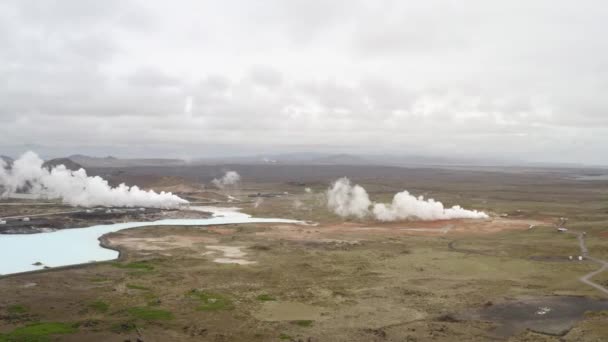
(586, 279)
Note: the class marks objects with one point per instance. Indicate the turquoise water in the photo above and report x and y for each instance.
(18, 252)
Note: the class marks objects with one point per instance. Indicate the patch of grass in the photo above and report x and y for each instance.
(38, 332)
(211, 301)
(303, 323)
(16, 309)
(99, 306)
(265, 298)
(149, 314)
(137, 287)
(136, 265)
(285, 337)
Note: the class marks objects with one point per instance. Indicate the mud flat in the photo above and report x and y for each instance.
(552, 315)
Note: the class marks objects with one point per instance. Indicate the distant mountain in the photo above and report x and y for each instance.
(315, 158)
(110, 161)
(67, 162)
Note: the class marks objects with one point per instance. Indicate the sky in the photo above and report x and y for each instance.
(503, 80)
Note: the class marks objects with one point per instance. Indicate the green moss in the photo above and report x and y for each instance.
(303, 323)
(265, 298)
(211, 301)
(99, 306)
(16, 309)
(150, 314)
(137, 287)
(38, 332)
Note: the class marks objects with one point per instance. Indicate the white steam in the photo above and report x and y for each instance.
(76, 188)
(346, 200)
(230, 178)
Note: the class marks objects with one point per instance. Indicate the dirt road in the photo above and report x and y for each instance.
(586, 279)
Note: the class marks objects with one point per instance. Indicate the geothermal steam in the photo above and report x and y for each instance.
(76, 188)
(346, 200)
(230, 178)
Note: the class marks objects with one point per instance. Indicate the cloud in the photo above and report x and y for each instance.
(151, 77)
(412, 77)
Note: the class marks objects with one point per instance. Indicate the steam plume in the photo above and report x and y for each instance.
(230, 178)
(346, 200)
(76, 188)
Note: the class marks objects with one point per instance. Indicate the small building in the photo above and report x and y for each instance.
(2, 222)
(562, 229)
(25, 219)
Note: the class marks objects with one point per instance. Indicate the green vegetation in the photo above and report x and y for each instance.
(149, 314)
(38, 332)
(211, 301)
(99, 306)
(285, 337)
(16, 309)
(303, 323)
(137, 287)
(265, 298)
(136, 265)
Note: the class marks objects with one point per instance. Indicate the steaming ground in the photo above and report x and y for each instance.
(230, 178)
(76, 188)
(347, 200)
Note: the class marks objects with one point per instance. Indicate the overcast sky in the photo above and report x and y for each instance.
(522, 80)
